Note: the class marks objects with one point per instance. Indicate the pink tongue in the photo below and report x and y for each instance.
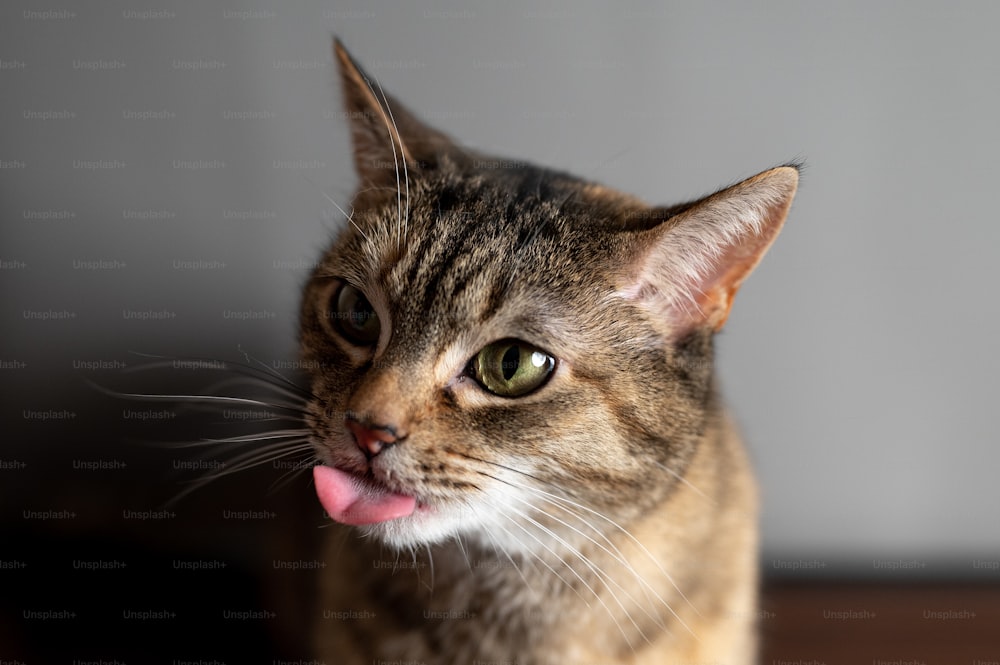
(350, 502)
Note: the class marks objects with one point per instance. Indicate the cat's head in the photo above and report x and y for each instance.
(494, 343)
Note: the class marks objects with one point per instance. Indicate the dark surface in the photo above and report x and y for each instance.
(196, 585)
(910, 623)
(102, 559)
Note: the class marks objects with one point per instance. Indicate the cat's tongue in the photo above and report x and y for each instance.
(349, 501)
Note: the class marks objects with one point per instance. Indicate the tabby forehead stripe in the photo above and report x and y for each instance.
(419, 254)
(442, 211)
(450, 231)
(460, 279)
(460, 244)
(529, 232)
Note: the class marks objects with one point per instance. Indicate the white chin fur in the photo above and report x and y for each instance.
(489, 519)
(419, 529)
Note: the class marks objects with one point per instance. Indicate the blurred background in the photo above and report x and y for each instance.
(164, 179)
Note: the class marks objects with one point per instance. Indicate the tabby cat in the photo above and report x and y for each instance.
(514, 410)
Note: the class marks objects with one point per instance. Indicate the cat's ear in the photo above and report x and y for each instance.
(691, 264)
(384, 133)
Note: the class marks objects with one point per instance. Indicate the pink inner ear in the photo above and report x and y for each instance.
(696, 264)
(718, 289)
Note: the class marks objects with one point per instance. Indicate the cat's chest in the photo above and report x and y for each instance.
(452, 606)
(487, 598)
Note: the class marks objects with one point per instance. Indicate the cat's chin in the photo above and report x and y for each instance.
(440, 523)
(425, 526)
(470, 522)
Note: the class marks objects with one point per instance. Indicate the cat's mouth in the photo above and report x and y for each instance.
(352, 499)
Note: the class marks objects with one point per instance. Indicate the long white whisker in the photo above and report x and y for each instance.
(642, 547)
(229, 442)
(616, 555)
(292, 392)
(430, 563)
(268, 371)
(305, 464)
(500, 550)
(685, 481)
(255, 381)
(395, 158)
(402, 149)
(601, 516)
(350, 218)
(538, 558)
(246, 372)
(250, 438)
(268, 453)
(568, 567)
(206, 399)
(244, 462)
(596, 570)
(462, 548)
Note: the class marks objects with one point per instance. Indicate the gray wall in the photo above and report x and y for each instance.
(860, 358)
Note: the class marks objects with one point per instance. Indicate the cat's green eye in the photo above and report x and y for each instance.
(354, 317)
(511, 368)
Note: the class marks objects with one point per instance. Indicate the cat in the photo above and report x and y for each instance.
(519, 438)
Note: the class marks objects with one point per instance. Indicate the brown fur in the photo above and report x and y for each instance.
(607, 517)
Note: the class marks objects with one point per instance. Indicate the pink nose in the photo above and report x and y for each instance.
(371, 440)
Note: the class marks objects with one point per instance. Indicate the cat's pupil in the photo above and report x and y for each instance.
(360, 314)
(510, 362)
(511, 368)
(354, 318)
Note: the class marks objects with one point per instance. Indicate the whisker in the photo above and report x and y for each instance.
(264, 455)
(642, 547)
(243, 462)
(685, 481)
(430, 563)
(215, 364)
(304, 464)
(617, 556)
(572, 570)
(254, 381)
(502, 551)
(461, 548)
(625, 532)
(402, 149)
(250, 438)
(597, 571)
(289, 406)
(537, 558)
(350, 217)
(204, 400)
(395, 158)
(256, 363)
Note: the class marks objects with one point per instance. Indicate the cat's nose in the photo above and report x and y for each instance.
(371, 439)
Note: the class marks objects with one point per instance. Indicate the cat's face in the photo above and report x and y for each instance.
(499, 349)
(490, 336)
